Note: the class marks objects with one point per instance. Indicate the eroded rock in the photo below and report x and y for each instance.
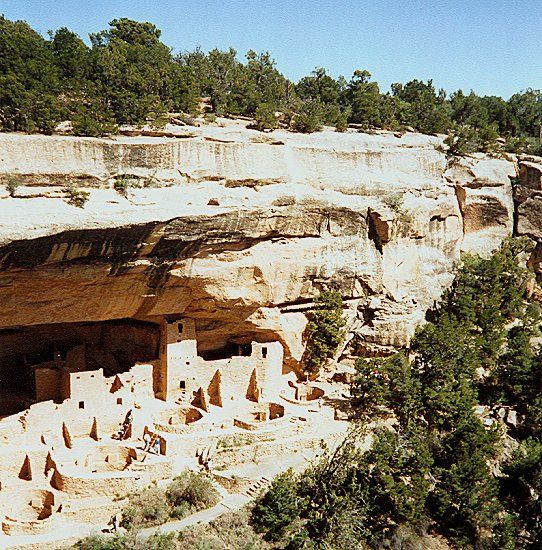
(240, 235)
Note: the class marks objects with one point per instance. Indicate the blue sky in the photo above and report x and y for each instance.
(491, 46)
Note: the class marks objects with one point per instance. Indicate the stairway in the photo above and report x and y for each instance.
(257, 487)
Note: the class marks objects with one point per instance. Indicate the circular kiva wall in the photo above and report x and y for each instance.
(179, 420)
(264, 413)
(31, 512)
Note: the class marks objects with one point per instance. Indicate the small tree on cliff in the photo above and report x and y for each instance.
(324, 331)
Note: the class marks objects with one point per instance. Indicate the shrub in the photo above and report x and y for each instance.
(324, 331)
(231, 442)
(264, 117)
(308, 119)
(395, 202)
(277, 508)
(341, 122)
(148, 508)
(130, 541)
(77, 197)
(464, 140)
(230, 531)
(12, 183)
(123, 182)
(189, 492)
(99, 542)
(93, 119)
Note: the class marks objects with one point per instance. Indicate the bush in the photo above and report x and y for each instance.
(464, 140)
(265, 118)
(123, 182)
(308, 119)
(277, 508)
(191, 492)
(148, 508)
(12, 184)
(230, 531)
(324, 331)
(99, 542)
(77, 197)
(92, 119)
(130, 541)
(341, 122)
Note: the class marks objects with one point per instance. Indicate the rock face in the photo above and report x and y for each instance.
(240, 230)
(484, 191)
(528, 199)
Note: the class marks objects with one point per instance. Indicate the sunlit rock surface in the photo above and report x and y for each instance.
(240, 230)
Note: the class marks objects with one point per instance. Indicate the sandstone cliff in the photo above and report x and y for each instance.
(240, 230)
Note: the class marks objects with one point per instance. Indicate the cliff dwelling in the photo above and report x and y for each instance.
(97, 410)
(32, 359)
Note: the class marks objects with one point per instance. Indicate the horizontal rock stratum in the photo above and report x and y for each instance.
(240, 230)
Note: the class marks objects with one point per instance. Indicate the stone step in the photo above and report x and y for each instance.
(257, 487)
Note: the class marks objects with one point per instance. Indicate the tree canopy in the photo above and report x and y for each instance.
(127, 75)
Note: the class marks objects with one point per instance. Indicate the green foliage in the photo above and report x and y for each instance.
(390, 384)
(324, 331)
(191, 492)
(396, 203)
(265, 118)
(341, 121)
(308, 118)
(93, 118)
(12, 183)
(99, 542)
(186, 494)
(464, 140)
(277, 508)
(364, 100)
(434, 466)
(228, 531)
(522, 489)
(464, 503)
(146, 509)
(349, 496)
(29, 80)
(76, 197)
(423, 108)
(123, 182)
(130, 541)
(128, 76)
(210, 117)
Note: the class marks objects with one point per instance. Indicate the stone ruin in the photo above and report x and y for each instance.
(79, 441)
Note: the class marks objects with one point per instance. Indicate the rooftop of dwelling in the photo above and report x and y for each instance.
(224, 81)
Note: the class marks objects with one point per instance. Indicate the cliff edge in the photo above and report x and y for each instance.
(239, 230)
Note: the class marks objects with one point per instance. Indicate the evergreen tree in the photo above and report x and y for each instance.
(364, 100)
(29, 81)
(427, 111)
(324, 330)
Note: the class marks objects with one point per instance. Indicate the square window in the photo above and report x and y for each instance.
(119, 400)
(182, 384)
(81, 404)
